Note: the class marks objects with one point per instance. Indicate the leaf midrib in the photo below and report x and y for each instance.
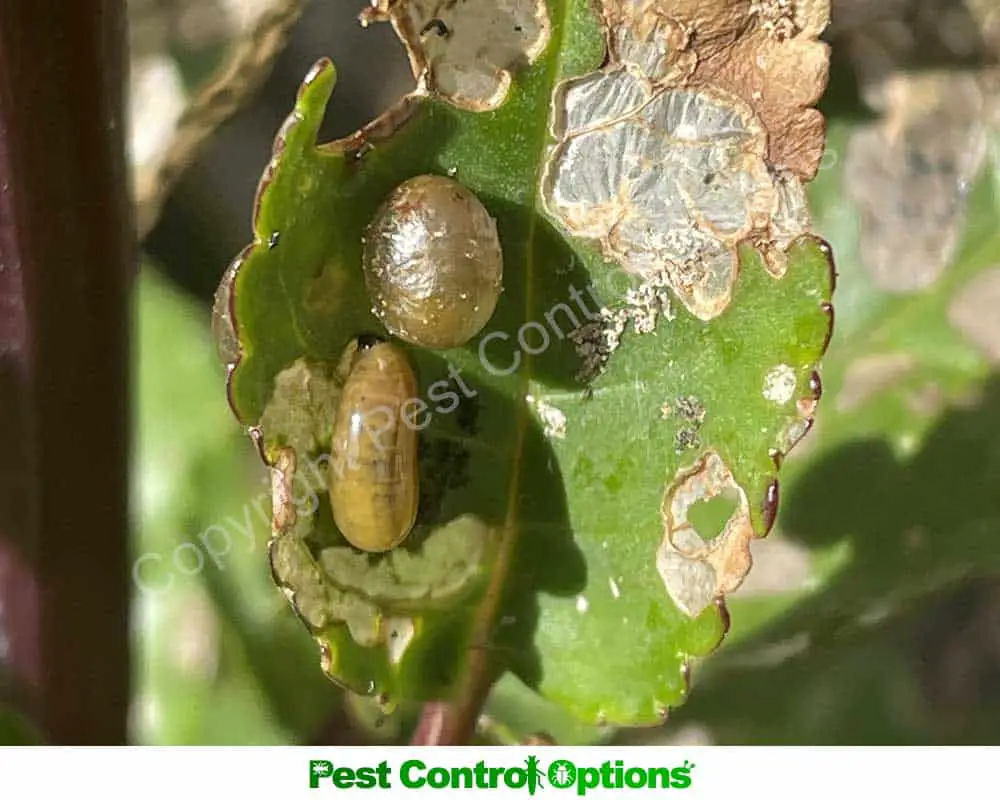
(475, 687)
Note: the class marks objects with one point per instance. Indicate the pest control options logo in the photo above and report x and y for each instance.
(561, 774)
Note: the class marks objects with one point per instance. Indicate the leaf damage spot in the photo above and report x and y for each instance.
(643, 306)
(553, 419)
(318, 603)
(668, 180)
(779, 384)
(227, 343)
(302, 406)
(695, 571)
(450, 560)
(343, 586)
(791, 219)
(666, 156)
(465, 52)
(283, 513)
(767, 53)
(793, 433)
(338, 585)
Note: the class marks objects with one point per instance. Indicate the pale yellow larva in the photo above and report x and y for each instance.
(374, 481)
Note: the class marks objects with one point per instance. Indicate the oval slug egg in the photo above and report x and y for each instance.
(432, 263)
(374, 485)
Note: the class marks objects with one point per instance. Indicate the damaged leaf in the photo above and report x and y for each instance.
(465, 52)
(695, 570)
(553, 445)
(681, 146)
(778, 66)
(890, 499)
(766, 52)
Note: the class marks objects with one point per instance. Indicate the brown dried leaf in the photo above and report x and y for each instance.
(780, 69)
(909, 174)
(973, 312)
(765, 52)
(168, 128)
(694, 137)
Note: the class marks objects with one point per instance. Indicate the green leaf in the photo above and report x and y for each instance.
(889, 521)
(889, 499)
(558, 488)
(514, 712)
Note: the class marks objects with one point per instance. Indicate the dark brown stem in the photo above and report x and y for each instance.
(66, 262)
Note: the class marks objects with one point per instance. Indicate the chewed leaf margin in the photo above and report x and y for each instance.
(298, 132)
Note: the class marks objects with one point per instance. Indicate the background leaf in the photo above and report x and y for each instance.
(219, 659)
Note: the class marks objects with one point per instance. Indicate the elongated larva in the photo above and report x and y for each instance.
(432, 262)
(374, 486)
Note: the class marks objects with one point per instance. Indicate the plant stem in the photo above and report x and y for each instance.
(67, 258)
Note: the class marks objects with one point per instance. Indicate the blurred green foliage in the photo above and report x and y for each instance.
(220, 660)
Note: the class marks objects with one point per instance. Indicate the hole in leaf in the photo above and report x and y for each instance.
(709, 516)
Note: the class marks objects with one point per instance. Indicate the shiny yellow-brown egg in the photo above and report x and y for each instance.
(432, 263)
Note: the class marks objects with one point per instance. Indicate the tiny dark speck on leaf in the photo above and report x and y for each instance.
(273, 240)
(686, 439)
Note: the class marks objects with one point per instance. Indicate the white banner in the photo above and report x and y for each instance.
(286, 773)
